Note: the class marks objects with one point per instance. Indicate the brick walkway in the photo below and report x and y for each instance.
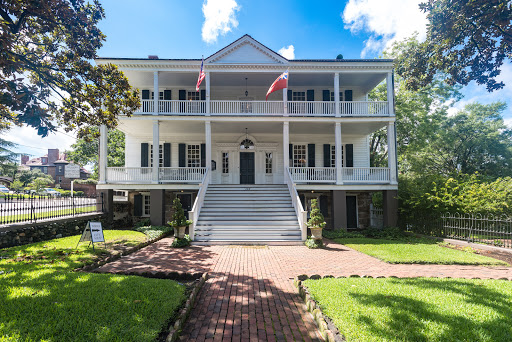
(250, 296)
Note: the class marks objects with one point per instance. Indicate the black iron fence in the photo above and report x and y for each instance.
(486, 229)
(31, 209)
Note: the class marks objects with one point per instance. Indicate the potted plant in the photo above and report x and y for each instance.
(316, 221)
(179, 220)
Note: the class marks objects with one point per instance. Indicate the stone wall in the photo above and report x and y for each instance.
(22, 234)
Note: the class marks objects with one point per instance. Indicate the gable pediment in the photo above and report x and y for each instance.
(246, 50)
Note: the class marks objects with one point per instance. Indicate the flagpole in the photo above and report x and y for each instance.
(285, 101)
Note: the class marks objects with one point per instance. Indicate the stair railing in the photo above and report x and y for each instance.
(198, 203)
(297, 205)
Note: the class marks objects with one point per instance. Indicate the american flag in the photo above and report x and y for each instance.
(280, 83)
(201, 76)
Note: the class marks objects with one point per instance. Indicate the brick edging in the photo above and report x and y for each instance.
(175, 331)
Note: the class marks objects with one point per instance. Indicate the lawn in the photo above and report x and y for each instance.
(416, 309)
(415, 251)
(42, 299)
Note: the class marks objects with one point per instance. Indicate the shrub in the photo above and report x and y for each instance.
(313, 243)
(316, 219)
(178, 217)
(180, 243)
(341, 234)
(153, 232)
(145, 222)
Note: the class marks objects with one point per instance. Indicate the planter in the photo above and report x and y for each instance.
(316, 233)
(179, 232)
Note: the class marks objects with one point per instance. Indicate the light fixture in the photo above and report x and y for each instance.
(246, 92)
(247, 143)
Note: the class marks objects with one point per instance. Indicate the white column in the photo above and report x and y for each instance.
(392, 160)
(156, 97)
(286, 143)
(207, 80)
(285, 102)
(103, 154)
(337, 93)
(208, 141)
(390, 94)
(156, 151)
(338, 145)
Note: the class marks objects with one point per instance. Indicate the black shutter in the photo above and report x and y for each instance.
(341, 96)
(349, 150)
(303, 200)
(137, 205)
(144, 159)
(348, 95)
(290, 155)
(323, 206)
(182, 95)
(145, 94)
(167, 95)
(311, 155)
(203, 94)
(326, 95)
(290, 95)
(310, 95)
(167, 154)
(327, 155)
(203, 155)
(182, 156)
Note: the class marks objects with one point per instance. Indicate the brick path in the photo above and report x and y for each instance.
(250, 296)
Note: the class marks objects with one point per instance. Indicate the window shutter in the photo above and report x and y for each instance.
(203, 94)
(290, 155)
(144, 160)
(311, 155)
(349, 149)
(327, 155)
(310, 95)
(167, 95)
(290, 95)
(341, 96)
(303, 200)
(167, 154)
(323, 205)
(137, 205)
(348, 95)
(326, 95)
(182, 157)
(182, 94)
(203, 155)
(145, 94)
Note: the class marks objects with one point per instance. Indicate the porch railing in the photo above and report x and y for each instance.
(141, 175)
(297, 205)
(313, 174)
(365, 174)
(295, 108)
(181, 174)
(198, 203)
(129, 175)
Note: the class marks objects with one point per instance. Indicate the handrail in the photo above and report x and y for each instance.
(198, 203)
(297, 205)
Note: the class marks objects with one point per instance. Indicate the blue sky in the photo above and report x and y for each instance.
(296, 29)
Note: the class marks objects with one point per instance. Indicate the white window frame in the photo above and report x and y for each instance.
(269, 163)
(160, 155)
(333, 155)
(193, 96)
(332, 96)
(298, 96)
(146, 205)
(191, 160)
(225, 162)
(300, 155)
(160, 95)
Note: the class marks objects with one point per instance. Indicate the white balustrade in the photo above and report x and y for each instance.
(181, 174)
(146, 107)
(246, 107)
(311, 108)
(364, 108)
(366, 175)
(313, 174)
(198, 203)
(302, 215)
(124, 175)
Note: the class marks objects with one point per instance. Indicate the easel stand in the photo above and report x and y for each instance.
(93, 232)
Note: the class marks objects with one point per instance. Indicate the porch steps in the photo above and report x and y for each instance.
(247, 214)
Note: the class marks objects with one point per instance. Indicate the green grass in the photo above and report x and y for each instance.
(48, 214)
(42, 299)
(416, 251)
(418, 309)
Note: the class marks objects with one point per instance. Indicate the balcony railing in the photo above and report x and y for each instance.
(142, 175)
(248, 108)
(349, 174)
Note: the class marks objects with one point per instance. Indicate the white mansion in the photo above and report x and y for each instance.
(247, 169)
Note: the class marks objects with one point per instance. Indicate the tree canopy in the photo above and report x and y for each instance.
(46, 73)
(466, 40)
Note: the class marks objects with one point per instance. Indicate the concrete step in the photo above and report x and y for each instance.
(246, 227)
(248, 209)
(233, 203)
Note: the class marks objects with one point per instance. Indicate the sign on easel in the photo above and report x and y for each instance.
(93, 232)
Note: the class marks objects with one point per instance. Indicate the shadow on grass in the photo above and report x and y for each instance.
(414, 319)
(371, 241)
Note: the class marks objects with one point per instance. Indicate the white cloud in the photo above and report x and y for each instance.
(287, 52)
(508, 122)
(385, 21)
(219, 18)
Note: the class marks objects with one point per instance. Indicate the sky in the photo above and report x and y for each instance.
(296, 29)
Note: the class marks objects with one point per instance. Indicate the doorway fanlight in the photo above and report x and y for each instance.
(247, 143)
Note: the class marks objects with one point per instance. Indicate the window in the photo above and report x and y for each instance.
(60, 179)
(146, 204)
(299, 155)
(160, 95)
(268, 162)
(299, 96)
(332, 96)
(333, 156)
(61, 169)
(45, 170)
(193, 156)
(193, 96)
(225, 162)
(160, 156)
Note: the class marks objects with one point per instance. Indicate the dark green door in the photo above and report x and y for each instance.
(351, 212)
(246, 167)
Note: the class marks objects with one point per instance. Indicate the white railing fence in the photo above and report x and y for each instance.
(354, 108)
(324, 108)
(181, 174)
(376, 217)
(313, 174)
(246, 107)
(365, 174)
(143, 175)
(129, 175)
(302, 215)
(198, 203)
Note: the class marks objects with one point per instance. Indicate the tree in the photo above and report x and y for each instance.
(16, 185)
(8, 158)
(85, 150)
(27, 176)
(46, 75)
(340, 56)
(41, 182)
(466, 41)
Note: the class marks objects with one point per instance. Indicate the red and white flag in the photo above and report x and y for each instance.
(201, 76)
(280, 83)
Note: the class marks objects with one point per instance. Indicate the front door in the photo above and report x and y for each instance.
(246, 167)
(352, 212)
(186, 202)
